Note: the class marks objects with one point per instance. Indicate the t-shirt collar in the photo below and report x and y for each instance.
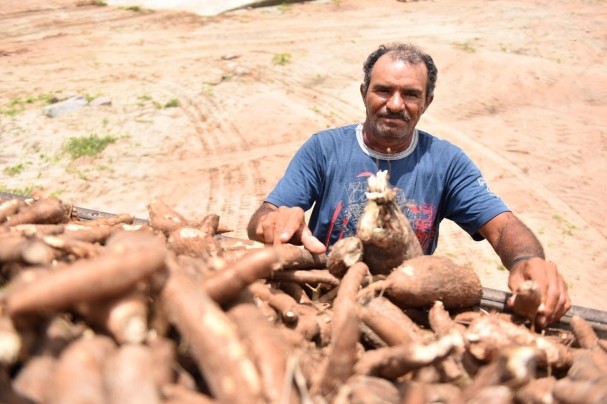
(385, 156)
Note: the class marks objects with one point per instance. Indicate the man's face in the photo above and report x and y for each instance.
(395, 101)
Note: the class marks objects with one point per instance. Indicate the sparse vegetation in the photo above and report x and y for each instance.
(565, 226)
(285, 6)
(27, 190)
(464, 46)
(16, 169)
(136, 9)
(208, 91)
(145, 99)
(90, 145)
(19, 104)
(173, 103)
(282, 59)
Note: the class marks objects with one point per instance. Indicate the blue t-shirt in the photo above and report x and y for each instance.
(434, 178)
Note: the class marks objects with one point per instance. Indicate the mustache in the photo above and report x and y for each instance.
(403, 116)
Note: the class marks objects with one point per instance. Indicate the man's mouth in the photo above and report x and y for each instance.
(395, 118)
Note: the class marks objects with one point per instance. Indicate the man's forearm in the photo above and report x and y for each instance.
(512, 240)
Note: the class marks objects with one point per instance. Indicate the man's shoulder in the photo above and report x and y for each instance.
(432, 142)
(339, 131)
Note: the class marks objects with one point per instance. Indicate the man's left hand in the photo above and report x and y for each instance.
(555, 297)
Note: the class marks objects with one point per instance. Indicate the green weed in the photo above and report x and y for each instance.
(19, 104)
(173, 103)
(285, 6)
(465, 46)
(27, 190)
(16, 169)
(143, 99)
(282, 59)
(565, 226)
(90, 145)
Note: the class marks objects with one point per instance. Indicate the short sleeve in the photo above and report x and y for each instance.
(301, 183)
(470, 202)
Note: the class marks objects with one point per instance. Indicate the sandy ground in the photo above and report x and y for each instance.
(522, 88)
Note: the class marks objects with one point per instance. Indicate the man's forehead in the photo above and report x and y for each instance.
(391, 64)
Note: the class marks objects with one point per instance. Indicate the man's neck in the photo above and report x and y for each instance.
(381, 147)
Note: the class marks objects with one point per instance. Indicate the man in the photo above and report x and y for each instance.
(435, 180)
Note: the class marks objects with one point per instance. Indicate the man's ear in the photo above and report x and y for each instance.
(363, 90)
(429, 100)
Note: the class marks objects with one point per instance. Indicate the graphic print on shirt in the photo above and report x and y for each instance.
(483, 183)
(345, 218)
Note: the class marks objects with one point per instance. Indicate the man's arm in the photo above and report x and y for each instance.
(279, 225)
(523, 255)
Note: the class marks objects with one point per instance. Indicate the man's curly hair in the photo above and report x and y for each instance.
(408, 53)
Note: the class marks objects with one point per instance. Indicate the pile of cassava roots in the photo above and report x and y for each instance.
(173, 310)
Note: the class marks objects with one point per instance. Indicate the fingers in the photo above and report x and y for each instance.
(555, 296)
(551, 292)
(266, 228)
(557, 301)
(311, 243)
(290, 222)
(285, 225)
(517, 276)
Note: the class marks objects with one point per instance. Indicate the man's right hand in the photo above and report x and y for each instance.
(280, 225)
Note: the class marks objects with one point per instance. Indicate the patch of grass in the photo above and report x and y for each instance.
(90, 145)
(82, 174)
(13, 107)
(27, 190)
(143, 99)
(137, 9)
(89, 97)
(208, 91)
(19, 104)
(464, 46)
(565, 226)
(282, 59)
(285, 6)
(16, 169)
(173, 103)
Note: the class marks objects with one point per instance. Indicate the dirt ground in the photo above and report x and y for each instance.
(206, 112)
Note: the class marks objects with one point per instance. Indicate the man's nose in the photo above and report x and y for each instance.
(396, 102)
